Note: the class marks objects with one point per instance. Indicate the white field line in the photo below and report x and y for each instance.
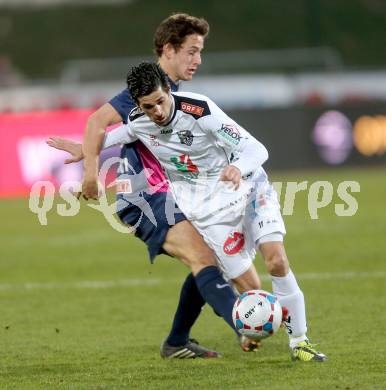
(80, 284)
(100, 284)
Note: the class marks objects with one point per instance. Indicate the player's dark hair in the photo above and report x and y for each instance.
(176, 28)
(146, 78)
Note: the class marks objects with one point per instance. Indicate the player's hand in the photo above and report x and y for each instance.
(232, 174)
(90, 188)
(72, 147)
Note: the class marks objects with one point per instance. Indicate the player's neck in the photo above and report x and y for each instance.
(168, 70)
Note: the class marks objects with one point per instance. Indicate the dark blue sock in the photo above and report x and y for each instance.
(188, 310)
(217, 292)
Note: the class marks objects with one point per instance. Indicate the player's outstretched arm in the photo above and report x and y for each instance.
(93, 138)
(68, 145)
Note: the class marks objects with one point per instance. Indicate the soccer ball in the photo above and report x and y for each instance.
(257, 314)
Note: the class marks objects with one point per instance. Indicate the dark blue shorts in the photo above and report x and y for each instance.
(151, 218)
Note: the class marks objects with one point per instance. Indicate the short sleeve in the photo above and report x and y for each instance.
(123, 104)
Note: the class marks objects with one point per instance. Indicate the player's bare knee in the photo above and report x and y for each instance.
(184, 242)
(277, 263)
(249, 280)
(202, 260)
(244, 286)
(198, 257)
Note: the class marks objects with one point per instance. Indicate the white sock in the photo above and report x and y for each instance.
(294, 341)
(289, 295)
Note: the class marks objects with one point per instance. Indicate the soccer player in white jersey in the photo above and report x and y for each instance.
(201, 150)
(178, 42)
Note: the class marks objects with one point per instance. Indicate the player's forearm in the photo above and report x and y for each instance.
(92, 145)
(94, 135)
(252, 156)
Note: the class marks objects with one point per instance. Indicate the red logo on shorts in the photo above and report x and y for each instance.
(234, 243)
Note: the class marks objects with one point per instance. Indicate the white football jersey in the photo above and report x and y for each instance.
(199, 141)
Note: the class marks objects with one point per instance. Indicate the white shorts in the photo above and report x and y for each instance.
(234, 239)
(263, 214)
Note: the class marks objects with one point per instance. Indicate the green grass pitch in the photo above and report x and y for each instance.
(82, 308)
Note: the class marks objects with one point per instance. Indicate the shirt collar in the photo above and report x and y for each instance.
(173, 85)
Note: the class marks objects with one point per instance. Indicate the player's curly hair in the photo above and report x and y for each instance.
(146, 78)
(176, 28)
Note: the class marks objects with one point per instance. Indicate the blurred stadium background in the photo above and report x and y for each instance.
(306, 77)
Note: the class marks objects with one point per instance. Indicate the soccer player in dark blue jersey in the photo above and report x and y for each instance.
(178, 42)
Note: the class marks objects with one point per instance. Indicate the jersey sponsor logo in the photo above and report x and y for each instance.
(230, 133)
(183, 163)
(192, 109)
(186, 137)
(123, 186)
(166, 131)
(234, 243)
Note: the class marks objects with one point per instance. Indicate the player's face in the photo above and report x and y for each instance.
(182, 63)
(157, 106)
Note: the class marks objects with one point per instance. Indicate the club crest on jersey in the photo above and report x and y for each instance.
(186, 137)
(230, 133)
(234, 243)
(192, 109)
